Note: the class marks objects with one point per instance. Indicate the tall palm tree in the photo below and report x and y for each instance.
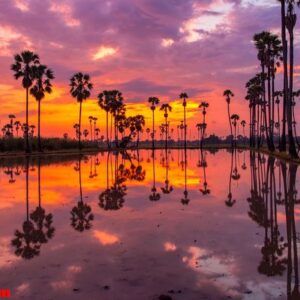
(32, 127)
(104, 103)
(282, 146)
(81, 87)
(85, 133)
(184, 96)
(95, 122)
(11, 118)
(154, 101)
(235, 119)
(17, 125)
(204, 105)
(41, 87)
(139, 124)
(243, 123)
(291, 20)
(23, 67)
(166, 108)
(91, 118)
(229, 94)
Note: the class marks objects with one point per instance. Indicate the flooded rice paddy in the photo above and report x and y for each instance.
(147, 225)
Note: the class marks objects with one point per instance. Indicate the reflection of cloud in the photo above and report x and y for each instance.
(68, 280)
(105, 238)
(22, 289)
(6, 256)
(61, 285)
(169, 247)
(219, 268)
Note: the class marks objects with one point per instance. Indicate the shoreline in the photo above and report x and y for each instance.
(279, 155)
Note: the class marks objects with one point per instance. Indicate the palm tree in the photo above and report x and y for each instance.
(105, 103)
(166, 108)
(32, 127)
(184, 96)
(204, 105)
(85, 133)
(17, 125)
(148, 132)
(154, 101)
(97, 131)
(41, 87)
(228, 94)
(291, 20)
(81, 87)
(234, 119)
(12, 117)
(243, 123)
(95, 121)
(91, 118)
(139, 123)
(24, 67)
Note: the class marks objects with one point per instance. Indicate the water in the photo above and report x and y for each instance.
(223, 226)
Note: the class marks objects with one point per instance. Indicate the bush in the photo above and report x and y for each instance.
(48, 144)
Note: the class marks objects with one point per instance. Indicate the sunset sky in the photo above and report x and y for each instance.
(141, 47)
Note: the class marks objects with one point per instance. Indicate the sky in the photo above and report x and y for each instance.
(142, 48)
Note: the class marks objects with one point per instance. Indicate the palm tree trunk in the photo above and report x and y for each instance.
(292, 146)
(228, 110)
(107, 138)
(39, 126)
(265, 109)
(272, 147)
(282, 146)
(91, 129)
(79, 135)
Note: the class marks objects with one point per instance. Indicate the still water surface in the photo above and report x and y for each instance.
(129, 226)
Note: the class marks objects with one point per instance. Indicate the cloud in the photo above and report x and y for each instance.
(141, 47)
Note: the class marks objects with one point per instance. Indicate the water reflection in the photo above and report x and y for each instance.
(37, 229)
(245, 246)
(81, 214)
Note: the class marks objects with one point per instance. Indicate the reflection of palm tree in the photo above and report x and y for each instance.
(81, 215)
(153, 101)
(167, 189)
(154, 196)
(43, 221)
(166, 108)
(205, 190)
(26, 241)
(230, 202)
(185, 200)
(113, 197)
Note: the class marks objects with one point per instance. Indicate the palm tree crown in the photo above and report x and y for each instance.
(81, 86)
